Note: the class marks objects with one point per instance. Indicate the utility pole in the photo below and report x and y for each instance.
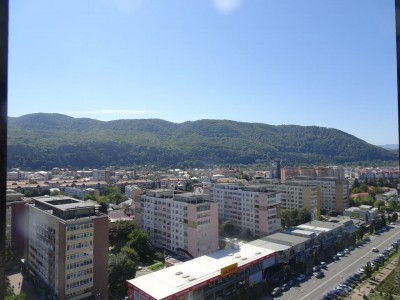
(3, 138)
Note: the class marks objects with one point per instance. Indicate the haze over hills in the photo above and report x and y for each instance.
(44, 141)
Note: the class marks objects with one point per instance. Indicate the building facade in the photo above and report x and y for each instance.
(186, 223)
(66, 247)
(15, 212)
(251, 209)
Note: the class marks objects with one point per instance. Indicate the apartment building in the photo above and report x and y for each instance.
(311, 172)
(251, 209)
(80, 192)
(101, 175)
(66, 247)
(295, 195)
(334, 193)
(185, 223)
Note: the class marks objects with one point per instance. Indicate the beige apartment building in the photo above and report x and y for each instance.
(334, 193)
(295, 195)
(67, 247)
(251, 209)
(186, 223)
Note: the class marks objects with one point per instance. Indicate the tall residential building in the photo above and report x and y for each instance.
(67, 247)
(295, 195)
(251, 209)
(334, 193)
(185, 223)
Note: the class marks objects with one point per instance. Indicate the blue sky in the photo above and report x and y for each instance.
(328, 63)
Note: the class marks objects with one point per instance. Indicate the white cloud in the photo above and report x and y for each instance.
(227, 6)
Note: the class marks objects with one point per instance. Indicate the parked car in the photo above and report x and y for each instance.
(319, 274)
(276, 292)
(335, 257)
(346, 251)
(285, 287)
(316, 268)
(340, 254)
(375, 249)
(300, 277)
(323, 264)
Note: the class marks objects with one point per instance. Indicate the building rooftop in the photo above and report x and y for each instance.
(64, 203)
(178, 278)
(284, 239)
(320, 226)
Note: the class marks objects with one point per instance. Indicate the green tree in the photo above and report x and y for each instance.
(303, 216)
(227, 229)
(356, 183)
(368, 270)
(120, 269)
(286, 218)
(119, 233)
(139, 240)
(393, 205)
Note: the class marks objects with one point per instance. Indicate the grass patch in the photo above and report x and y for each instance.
(157, 265)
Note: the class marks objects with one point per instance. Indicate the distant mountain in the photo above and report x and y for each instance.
(44, 141)
(390, 146)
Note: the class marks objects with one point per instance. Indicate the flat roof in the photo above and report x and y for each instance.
(320, 226)
(178, 278)
(269, 245)
(64, 203)
(285, 239)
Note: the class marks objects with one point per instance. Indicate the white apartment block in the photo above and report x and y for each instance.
(251, 209)
(186, 222)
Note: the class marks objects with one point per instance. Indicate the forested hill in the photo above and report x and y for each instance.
(43, 141)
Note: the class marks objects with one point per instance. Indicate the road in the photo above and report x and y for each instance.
(314, 288)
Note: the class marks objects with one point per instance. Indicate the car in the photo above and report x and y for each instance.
(346, 251)
(392, 223)
(346, 287)
(351, 281)
(300, 277)
(341, 290)
(335, 257)
(316, 268)
(139, 267)
(375, 249)
(340, 254)
(319, 274)
(367, 239)
(285, 287)
(276, 292)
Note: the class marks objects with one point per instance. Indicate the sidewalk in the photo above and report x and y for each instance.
(16, 282)
(373, 282)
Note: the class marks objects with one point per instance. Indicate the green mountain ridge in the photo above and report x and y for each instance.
(44, 141)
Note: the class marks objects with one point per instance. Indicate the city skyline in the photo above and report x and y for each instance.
(330, 64)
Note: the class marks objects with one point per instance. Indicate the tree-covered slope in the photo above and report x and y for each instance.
(43, 141)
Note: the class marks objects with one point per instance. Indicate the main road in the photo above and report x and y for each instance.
(336, 271)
